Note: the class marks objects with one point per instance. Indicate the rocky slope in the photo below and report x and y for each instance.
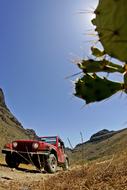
(104, 143)
(10, 127)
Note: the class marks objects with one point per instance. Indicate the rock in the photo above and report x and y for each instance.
(2, 98)
(102, 135)
(7, 178)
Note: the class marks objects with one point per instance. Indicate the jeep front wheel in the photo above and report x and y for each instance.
(11, 161)
(51, 164)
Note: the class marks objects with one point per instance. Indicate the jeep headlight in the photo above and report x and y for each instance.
(35, 145)
(15, 144)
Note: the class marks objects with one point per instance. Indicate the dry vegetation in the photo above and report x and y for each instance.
(97, 175)
(106, 175)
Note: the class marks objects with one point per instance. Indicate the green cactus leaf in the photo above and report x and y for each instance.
(96, 52)
(92, 66)
(94, 89)
(111, 25)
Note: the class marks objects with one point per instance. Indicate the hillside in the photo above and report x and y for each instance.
(102, 144)
(10, 127)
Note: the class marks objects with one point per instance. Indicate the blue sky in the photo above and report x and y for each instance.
(39, 39)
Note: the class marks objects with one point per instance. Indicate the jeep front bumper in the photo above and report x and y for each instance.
(6, 151)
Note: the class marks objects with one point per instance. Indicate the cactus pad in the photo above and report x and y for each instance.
(111, 25)
(92, 88)
(93, 66)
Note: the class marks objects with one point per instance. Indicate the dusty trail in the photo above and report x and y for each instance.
(21, 179)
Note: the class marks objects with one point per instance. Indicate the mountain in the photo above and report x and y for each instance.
(10, 127)
(104, 143)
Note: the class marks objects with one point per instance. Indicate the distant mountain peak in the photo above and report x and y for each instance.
(104, 133)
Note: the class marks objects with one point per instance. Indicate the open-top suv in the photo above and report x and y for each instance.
(46, 152)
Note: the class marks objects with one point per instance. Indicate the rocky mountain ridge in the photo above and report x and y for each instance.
(10, 127)
(104, 143)
(101, 136)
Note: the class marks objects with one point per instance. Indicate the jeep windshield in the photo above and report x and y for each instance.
(50, 140)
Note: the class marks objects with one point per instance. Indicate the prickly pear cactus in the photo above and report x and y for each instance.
(111, 26)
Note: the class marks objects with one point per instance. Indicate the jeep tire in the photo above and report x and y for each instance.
(51, 164)
(11, 161)
(66, 164)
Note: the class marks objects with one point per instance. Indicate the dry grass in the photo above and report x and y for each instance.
(106, 175)
(98, 175)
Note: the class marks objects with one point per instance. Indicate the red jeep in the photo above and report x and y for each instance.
(46, 152)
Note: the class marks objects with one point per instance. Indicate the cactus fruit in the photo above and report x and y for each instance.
(111, 25)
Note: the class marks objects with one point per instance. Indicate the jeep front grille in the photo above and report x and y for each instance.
(24, 146)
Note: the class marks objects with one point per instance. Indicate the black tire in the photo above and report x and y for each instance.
(51, 164)
(11, 161)
(66, 164)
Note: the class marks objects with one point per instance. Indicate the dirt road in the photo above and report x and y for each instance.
(108, 174)
(21, 179)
